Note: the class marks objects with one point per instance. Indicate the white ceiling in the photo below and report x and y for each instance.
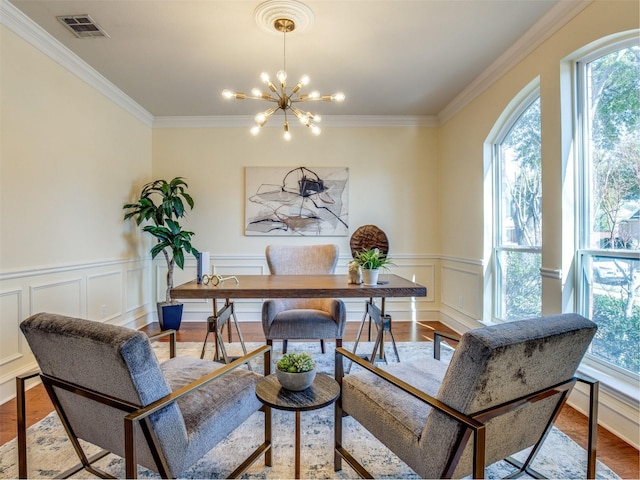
(390, 57)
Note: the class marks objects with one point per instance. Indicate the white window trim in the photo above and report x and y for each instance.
(515, 109)
(621, 382)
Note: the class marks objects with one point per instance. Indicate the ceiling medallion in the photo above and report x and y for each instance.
(284, 16)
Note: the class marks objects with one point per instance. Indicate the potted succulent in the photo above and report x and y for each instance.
(162, 203)
(296, 371)
(371, 261)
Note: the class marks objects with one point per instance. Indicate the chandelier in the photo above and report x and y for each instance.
(281, 96)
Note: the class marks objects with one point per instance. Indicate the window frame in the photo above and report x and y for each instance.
(518, 106)
(616, 377)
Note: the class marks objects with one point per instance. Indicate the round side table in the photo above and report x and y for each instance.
(323, 391)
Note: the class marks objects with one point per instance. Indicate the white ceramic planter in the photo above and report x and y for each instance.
(370, 276)
(296, 381)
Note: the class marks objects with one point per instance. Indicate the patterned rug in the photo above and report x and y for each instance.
(50, 452)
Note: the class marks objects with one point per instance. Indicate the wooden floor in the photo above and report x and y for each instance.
(618, 455)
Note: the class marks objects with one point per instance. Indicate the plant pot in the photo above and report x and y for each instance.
(370, 276)
(296, 382)
(170, 315)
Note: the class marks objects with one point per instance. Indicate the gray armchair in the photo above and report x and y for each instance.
(500, 394)
(109, 389)
(303, 318)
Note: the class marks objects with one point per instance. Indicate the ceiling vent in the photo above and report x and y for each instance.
(82, 26)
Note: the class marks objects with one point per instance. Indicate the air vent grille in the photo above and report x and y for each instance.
(82, 26)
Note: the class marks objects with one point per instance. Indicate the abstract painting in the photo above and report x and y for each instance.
(297, 201)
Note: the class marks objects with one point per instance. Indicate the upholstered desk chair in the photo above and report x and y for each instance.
(109, 389)
(500, 394)
(303, 318)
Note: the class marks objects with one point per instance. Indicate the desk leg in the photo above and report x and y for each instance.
(215, 325)
(211, 327)
(383, 323)
(360, 328)
(238, 331)
(297, 461)
(364, 319)
(235, 322)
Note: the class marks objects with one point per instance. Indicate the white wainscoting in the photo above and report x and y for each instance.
(11, 342)
(117, 292)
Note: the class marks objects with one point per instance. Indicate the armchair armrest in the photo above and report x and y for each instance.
(172, 340)
(437, 338)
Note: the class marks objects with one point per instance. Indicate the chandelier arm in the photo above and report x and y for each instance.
(270, 99)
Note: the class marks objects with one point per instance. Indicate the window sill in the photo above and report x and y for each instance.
(625, 389)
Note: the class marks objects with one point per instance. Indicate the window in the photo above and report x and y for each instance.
(609, 198)
(518, 213)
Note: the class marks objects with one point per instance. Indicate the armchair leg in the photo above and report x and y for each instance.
(284, 346)
(22, 423)
(594, 391)
(322, 345)
(337, 429)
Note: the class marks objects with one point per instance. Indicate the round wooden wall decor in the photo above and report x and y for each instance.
(369, 236)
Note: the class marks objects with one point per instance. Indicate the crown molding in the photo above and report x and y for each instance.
(328, 121)
(23, 26)
(550, 23)
(28, 30)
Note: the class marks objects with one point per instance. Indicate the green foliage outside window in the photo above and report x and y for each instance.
(523, 285)
(618, 336)
(612, 148)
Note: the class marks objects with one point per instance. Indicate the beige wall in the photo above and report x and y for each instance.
(392, 180)
(69, 158)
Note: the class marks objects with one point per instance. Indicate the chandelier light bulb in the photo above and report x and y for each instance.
(315, 130)
(228, 94)
(287, 133)
(282, 77)
(264, 76)
(314, 95)
(260, 118)
(338, 97)
(304, 81)
(255, 130)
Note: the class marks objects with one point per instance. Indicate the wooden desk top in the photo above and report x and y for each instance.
(299, 286)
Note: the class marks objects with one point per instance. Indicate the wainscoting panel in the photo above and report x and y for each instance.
(136, 288)
(64, 297)
(11, 341)
(104, 295)
(462, 290)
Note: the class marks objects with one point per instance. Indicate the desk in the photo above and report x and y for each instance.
(294, 286)
(323, 391)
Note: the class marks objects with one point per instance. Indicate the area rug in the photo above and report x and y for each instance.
(50, 452)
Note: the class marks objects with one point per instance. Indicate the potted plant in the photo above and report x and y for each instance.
(162, 203)
(371, 261)
(296, 371)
